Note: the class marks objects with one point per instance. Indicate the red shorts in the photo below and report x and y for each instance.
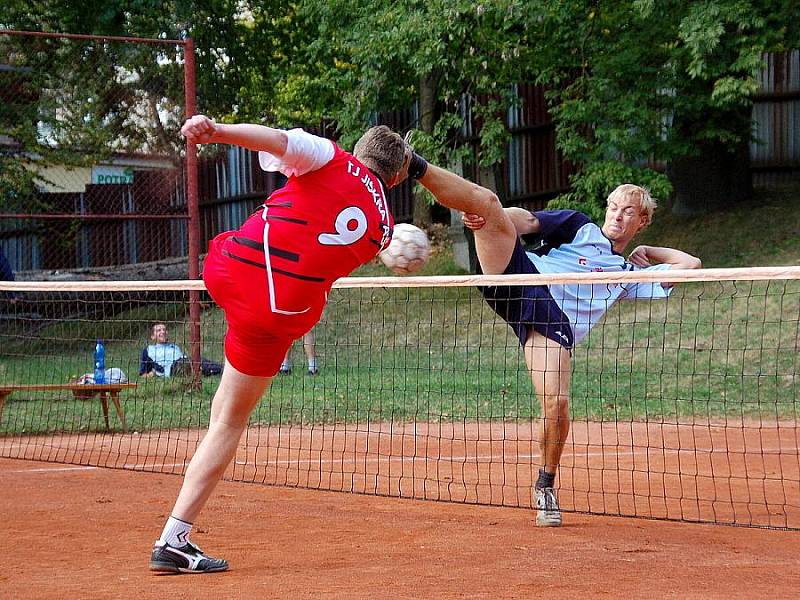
(257, 338)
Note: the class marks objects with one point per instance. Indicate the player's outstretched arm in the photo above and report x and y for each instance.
(199, 129)
(644, 256)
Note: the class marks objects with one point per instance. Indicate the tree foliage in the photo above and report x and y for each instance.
(74, 102)
(220, 29)
(632, 84)
(370, 56)
(640, 82)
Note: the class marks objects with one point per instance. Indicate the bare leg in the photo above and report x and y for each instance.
(233, 402)
(309, 346)
(495, 241)
(549, 365)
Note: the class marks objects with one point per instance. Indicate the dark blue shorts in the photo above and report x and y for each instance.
(528, 306)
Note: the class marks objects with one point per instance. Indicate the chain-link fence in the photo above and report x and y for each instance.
(91, 162)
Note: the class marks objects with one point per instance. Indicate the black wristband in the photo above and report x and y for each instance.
(417, 167)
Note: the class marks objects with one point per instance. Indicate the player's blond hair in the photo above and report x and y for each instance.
(382, 151)
(626, 191)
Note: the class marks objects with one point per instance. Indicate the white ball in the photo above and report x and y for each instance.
(408, 251)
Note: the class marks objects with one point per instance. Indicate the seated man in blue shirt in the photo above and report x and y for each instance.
(550, 319)
(159, 357)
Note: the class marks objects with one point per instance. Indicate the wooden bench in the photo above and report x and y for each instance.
(79, 390)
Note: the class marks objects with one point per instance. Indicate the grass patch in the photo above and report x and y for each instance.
(439, 354)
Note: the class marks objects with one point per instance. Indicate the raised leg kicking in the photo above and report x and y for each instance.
(550, 319)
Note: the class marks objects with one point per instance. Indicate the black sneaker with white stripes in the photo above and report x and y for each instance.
(186, 559)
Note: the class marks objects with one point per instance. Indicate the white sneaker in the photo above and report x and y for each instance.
(549, 514)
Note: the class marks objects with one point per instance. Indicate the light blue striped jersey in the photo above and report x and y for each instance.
(572, 243)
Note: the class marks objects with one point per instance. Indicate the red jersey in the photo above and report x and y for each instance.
(333, 220)
(274, 273)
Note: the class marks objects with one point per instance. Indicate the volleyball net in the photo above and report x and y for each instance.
(684, 408)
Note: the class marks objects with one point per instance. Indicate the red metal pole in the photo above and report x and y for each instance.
(80, 36)
(193, 207)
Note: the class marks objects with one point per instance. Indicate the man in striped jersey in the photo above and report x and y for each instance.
(550, 319)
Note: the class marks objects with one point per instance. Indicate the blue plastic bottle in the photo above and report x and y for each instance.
(99, 363)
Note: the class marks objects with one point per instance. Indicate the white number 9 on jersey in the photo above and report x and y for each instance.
(350, 225)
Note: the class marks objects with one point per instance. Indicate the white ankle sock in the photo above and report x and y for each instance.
(176, 532)
(312, 364)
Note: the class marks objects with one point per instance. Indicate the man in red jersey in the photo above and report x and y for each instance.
(272, 277)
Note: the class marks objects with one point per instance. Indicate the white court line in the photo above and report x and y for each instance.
(148, 465)
(52, 469)
(459, 459)
(92, 468)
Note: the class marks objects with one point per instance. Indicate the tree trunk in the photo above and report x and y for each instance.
(717, 176)
(427, 119)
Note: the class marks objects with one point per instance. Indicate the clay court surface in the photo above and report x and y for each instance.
(84, 532)
(731, 471)
(73, 530)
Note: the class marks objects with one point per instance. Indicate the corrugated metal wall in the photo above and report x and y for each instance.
(534, 169)
(775, 153)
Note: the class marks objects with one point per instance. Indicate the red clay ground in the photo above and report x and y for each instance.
(741, 472)
(82, 532)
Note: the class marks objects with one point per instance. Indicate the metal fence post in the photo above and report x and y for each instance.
(194, 216)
